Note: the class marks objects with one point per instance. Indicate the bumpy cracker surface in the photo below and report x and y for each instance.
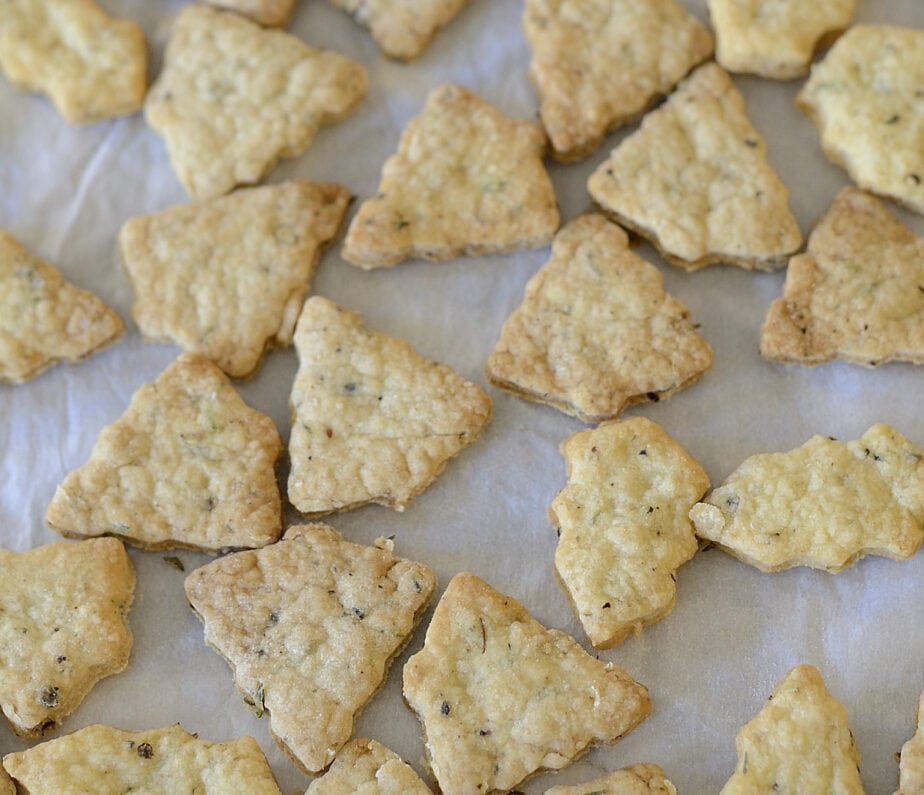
(227, 277)
(373, 420)
(824, 504)
(233, 98)
(694, 179)
(643, 779)
(856, 294)
(365, 767)
(911, 767)
(310, 626)
(501, 697)
(466, 180)
(188, 464)
(274, 13)
(598, 64)
(596, 331)
(63, 627)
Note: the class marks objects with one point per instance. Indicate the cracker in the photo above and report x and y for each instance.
(501, 697)
(310, 626)
(44, 318)
(864, 97)
(623, 525)
(596, 331)
(372, 419)
(643, 779)
(694, 179)
(7, 787)
(369, 768)
(63, 627)
(911, 767)
(188, 465)
(466, 180)
(233, 98)
(599, 64)
(272, 13)
(227, 277)
(799, 742)
(856, 294)
(825, 504)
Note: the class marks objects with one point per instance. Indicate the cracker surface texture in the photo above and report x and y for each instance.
(599, 64)
(911, 767)
(188, 465)
(272, 13)
(466, 180)
(596, 331)
(227, 277)
(372, 419)
(365, 767)
(825, 504)
(642, 779)
(63, 627)
(233, 98)
(694, 179)
(501, 697)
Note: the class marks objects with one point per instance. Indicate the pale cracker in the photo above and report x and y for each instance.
(233, 98)
(856, 294)
(372, 419)
(272, 13)
(44, 318)
(365, 767)
(911, 764)
(642, 779)
(865, 99)
(623, 524)
(108, 761)
(227, 277)
(188, 465)
(310, 626)
(501, 697)
(63, 627)
(825, 504)
(599, 64)
(799, 742)
(466, 180)
(694, 179)
(596, 331)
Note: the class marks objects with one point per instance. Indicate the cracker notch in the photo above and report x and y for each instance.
(310, 626)
(911, 764)
(694, 179)
(501, 697)
(466, 180)
(367, 767)
(641, 779)
(188, 465)
(270, 13)
(372, 419)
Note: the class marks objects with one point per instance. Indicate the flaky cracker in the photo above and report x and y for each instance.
(365, 767)
(911, 763)
(272, 13)
(466, 180)
(372, 419)
(310, 626)
(642, 779)
(825, 504)
(501, 697)
(596, 331)
(694, 179)
(188, 465)
(233, 98)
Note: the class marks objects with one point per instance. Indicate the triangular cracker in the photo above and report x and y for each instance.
(367, 767)
(825, 504)
(911, 767)
(501, 697)
(466, 180)
(373, 420)
(694, 179)
(623, 524)
(188, 465)
(856, 294)
(227, 277)
(642, 779)
(799, 742)
(596, 331)
(310, 626)
(272, 13)
(45, 319)
(233, 98)
(63, 627)
(598, 64)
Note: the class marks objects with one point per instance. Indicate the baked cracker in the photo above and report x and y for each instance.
(642, 779)
(271, 13)
(310, 626)
(188, 465)
(227, 277)
(233, 98)
(7, 787)
(369, 768)
(596, 331)
(911, 763)
(372, 419)
(825, 504)
(694, 179)
(501, 697)
(466, 180)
